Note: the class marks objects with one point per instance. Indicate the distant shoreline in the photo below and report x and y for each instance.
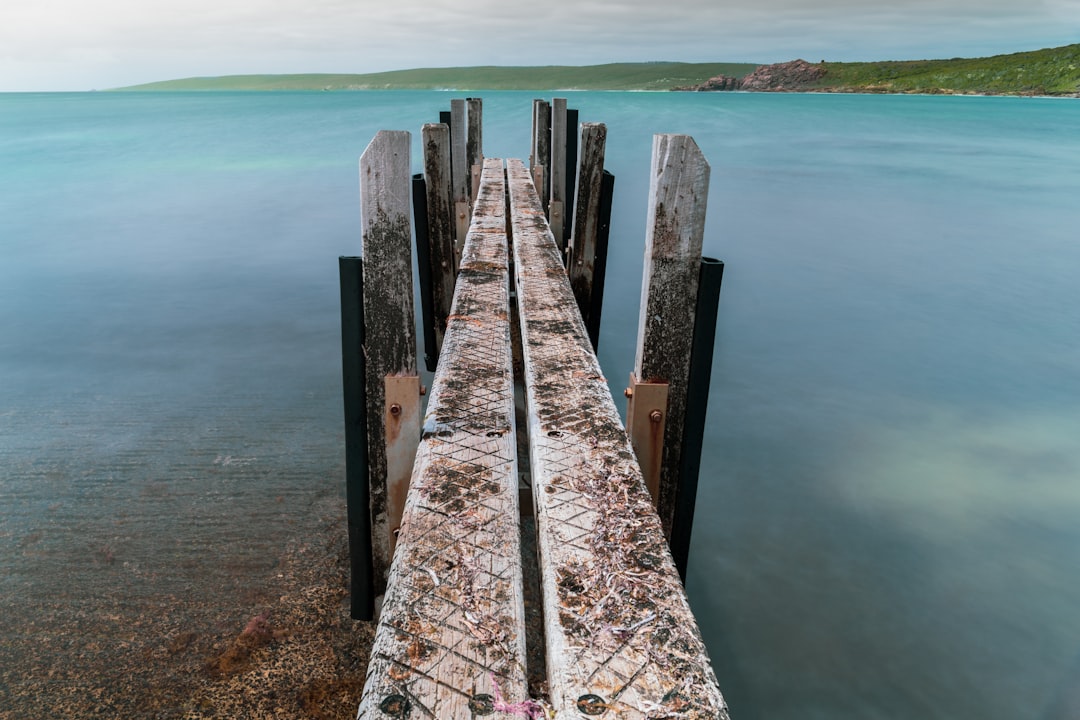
(1052, 72)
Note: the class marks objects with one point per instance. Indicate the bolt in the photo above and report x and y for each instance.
(591, 705)
(482, 704)
(656, 416)
(423, 390)
(395, 409)
(396, 706)
(628, 392)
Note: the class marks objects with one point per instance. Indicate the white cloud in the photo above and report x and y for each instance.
(73, 44)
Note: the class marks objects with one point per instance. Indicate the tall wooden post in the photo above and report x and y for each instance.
(441, 225)
(571, 171)
(557, 203)
(460, 177)
(474, 144)
(582, 260)
(392, 384)
(542, 147)
(675, 228)
(357, 491)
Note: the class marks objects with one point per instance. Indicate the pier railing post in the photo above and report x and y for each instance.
(440, 231)
(392, 385)
(542, 149)
(674, 232)
(587, 220)
(361, 581)
(460, 176)
(697, 403)
(474, 144)
(557, 204)
(571, 171)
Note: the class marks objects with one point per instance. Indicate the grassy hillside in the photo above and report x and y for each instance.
(617, 76)
(1054, 71)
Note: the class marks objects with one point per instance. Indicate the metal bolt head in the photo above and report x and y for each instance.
(628, 392)
(591, 705)
(395, 409)
(656, 416)
(396, 706)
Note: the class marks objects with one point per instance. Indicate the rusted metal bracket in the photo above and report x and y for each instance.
(646, 418)
(401, 419)
(462, 218)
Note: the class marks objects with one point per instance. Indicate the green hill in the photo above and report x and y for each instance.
(1053, 71)
(616, 76)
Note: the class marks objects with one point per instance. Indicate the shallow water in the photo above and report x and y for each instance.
(887, 522)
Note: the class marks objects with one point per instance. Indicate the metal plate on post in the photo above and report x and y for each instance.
(402, 422)
(646, 418)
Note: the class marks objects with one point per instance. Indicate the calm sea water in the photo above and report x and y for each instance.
(889, 519)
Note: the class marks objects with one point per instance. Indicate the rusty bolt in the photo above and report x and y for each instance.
(591, 705)
(656, 416)
(628, 392)
(395, 409)
(423, 390)
(396, 706)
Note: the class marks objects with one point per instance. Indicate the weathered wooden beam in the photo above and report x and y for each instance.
(557, 206)
(390, 330)
(474, 144)
(542, 146)
(441, 225)
(460, 177)
(584, 240)
(571, 173)
(678, 194)
(450, 642)
(620, 636)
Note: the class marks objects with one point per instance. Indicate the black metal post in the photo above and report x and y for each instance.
(353, 370)
(423, 266)
(603, 231)
(571, 171)
(444, 117)
(697, 405)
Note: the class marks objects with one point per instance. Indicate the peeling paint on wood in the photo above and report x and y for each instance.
(390, 330)
(621, 639)
(450, 641)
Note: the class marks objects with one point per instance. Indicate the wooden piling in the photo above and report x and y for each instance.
(357, 491)
(542, 147)
(584, 240)
(450, 642)
(390, 342)
(675, 227)
(557, 203)
(459, 172)
(441, 224)
(620, 636)
(474, 144)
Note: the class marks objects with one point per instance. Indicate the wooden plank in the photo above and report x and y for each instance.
(390, 331)
(587, 216)
(401, 418)
(441, 224)
(620, 635)
(450, 641)
(557, 202)
(675, 227)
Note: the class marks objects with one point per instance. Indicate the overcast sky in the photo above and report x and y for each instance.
(84, 44)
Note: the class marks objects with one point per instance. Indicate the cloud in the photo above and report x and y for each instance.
(128, 41)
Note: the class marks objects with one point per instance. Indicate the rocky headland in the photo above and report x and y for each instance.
(793, 76)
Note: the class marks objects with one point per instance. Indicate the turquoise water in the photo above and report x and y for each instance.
(889, 517)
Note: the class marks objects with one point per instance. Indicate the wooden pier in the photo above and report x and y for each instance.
(618, 636)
